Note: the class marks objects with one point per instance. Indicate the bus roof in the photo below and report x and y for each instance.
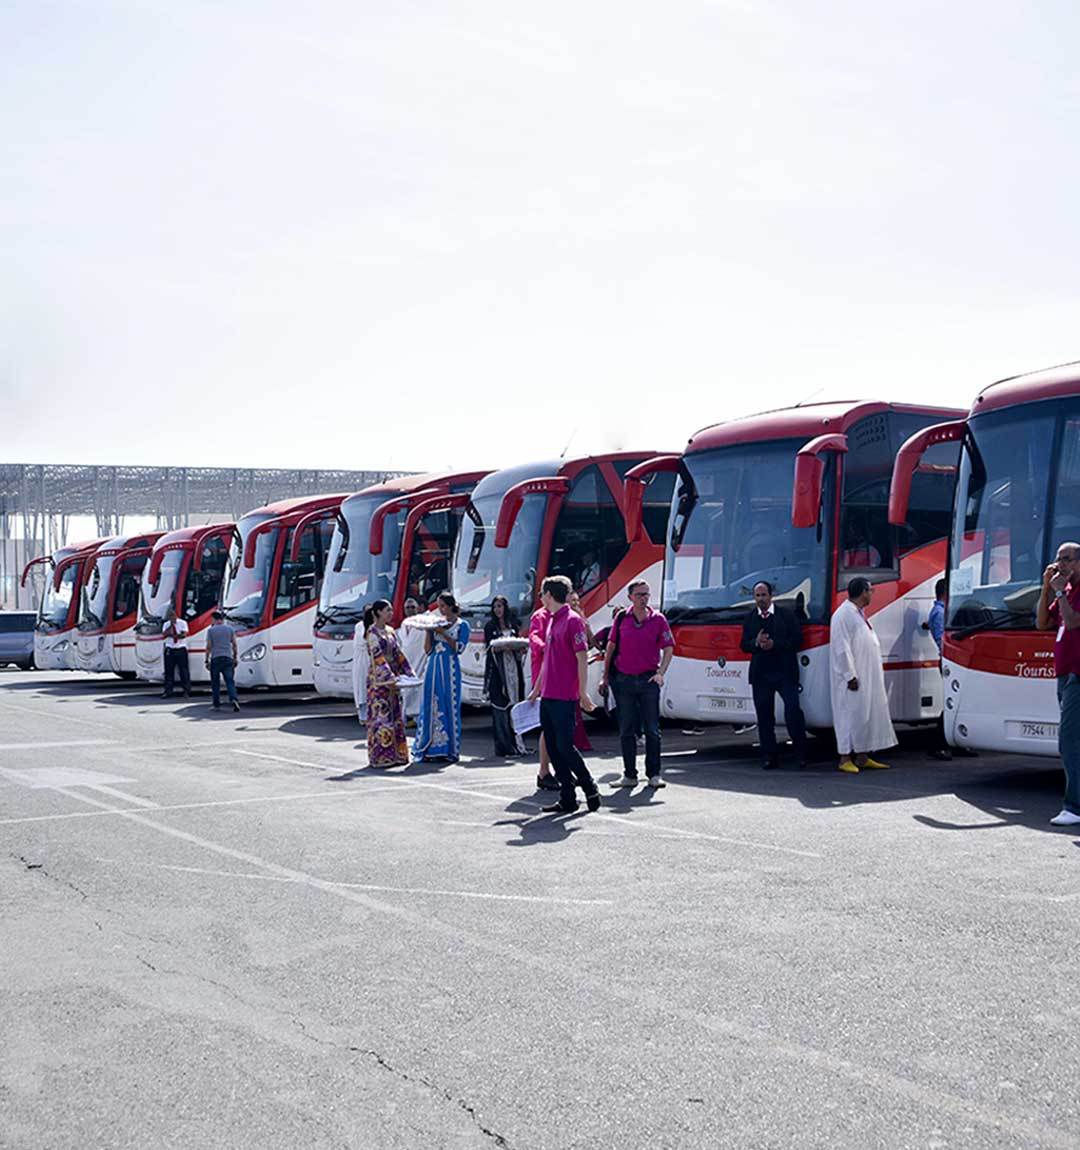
(499, 482)
(406, 484)
(79, 548)
(810, 419)
(301, 503)
(1050, 383)
(189, 534)
(120, 543)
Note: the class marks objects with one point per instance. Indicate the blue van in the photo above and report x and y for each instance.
(17, 638)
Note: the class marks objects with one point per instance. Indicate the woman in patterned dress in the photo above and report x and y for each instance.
(386, 742)
(438, 734)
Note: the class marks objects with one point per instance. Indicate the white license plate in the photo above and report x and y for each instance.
(712, 703)
(1021, 730)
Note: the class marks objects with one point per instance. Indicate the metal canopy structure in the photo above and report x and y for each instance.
(37, 501)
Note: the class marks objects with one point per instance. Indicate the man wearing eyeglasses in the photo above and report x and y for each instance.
(638, 652)
(1059, 607)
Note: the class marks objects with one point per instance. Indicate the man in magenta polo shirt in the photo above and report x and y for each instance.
(1059, 606)
(638, 651)
(561, 685)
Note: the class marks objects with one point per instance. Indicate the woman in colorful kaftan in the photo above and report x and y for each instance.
(386, 742)
(438, 732)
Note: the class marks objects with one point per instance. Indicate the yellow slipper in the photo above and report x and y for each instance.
(848, 766)
(876, 765)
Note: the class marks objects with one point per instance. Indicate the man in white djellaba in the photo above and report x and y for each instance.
(859, 704)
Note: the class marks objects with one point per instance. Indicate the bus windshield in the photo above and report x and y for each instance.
(94, 609)
(1012, 512)
(482, 570)
(158, 599)
(247, 587)
(55, 608)
(732, 527)
(354, 576)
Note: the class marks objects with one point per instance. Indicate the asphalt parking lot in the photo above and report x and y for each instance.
(223, 930)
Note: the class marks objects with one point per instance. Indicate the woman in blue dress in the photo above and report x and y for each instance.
(438, 734)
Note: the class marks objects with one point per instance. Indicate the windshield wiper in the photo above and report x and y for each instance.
(998, 620)
(675, 614)
(240, 618)
(338, 615)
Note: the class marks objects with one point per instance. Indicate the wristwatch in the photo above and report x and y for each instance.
(1059, 594)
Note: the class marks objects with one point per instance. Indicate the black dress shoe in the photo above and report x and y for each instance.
(559, 809)
(547, 783)
(942, 754)
(592, 800)
(771, 764)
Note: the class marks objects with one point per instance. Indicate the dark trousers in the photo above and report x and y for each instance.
(637, 707)
(766, 688)
(176, 661)
(221, 667)
(503, 730)
(557, 720)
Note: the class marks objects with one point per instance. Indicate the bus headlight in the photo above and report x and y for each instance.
(254, 654)
(61, 646)
(955, 684)
(948, 704)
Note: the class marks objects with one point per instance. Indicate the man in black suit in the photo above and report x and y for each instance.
(771, 636)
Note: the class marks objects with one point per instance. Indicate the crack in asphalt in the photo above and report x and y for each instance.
(496, 1138)
(469, 1109)
(40, 868)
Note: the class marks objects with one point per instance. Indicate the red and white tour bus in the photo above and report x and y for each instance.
(109, 605)
(186, 572)
(271, 588)
(58, 608)
(799, 497)
(1017, 499)
(391, 541)
(560, 517)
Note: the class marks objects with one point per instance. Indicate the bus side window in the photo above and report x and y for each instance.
(1067, 489)
(865, 546)
(203, 588)
(127, 587)
(296, 582)
(656, 505)
(589, 540)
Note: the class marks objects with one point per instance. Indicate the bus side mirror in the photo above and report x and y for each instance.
(810, 478)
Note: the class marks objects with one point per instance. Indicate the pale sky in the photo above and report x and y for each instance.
(356, 234)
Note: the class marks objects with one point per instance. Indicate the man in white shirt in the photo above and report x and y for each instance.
(859, 703)
(175, 632)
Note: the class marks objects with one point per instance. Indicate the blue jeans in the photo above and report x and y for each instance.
(221, 667)
(1068, 692)
(637, 707)
(558, 717)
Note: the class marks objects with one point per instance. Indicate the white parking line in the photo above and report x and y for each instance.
(115, 794)
(54, 746)
(622, 820)
(106, 810)
(57, 713)
(998, 1119)
(399, 889)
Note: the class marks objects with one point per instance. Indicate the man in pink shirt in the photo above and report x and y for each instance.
(561, 685)
(638, 651)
